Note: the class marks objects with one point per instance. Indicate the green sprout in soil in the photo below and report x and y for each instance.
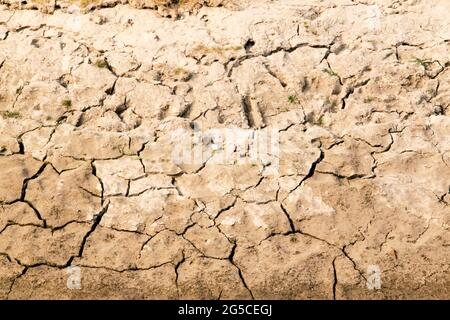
(425, 63)
(368, 99)
(66, 103)
(101, 63)
(292, 99)
(330, 72)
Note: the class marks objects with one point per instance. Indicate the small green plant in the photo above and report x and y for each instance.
(284, 109)
(10, 114)
(368, 99)
(101, 63)
(425, 63)
(330, 72)
(66, 103)
(292, 99)
(432, 92)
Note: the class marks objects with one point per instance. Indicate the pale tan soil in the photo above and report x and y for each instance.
(359, 92)
(168, 8)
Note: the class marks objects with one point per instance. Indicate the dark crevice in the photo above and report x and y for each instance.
(231, 259)
(97, 219)
(335, 279)
(25, 182)
(247, 108)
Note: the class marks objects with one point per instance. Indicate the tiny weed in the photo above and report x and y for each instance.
(101, 63)
(425, 63)
(330, 72)
(292, 99)
(11, 115)
(368, 99)
(66, 103)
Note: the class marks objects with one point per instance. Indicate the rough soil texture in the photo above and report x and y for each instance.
(358, 91)
(167, 8)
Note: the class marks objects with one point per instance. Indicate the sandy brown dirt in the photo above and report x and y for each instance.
(98, 111)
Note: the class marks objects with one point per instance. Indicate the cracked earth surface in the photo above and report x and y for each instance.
(358, 92)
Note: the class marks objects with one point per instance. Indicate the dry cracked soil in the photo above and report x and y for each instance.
(284, 149)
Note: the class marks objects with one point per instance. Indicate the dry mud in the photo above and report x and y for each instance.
(351, 201)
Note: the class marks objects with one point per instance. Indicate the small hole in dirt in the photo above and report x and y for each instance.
(249, 44)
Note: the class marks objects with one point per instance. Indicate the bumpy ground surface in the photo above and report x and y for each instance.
(351, 200)
(167, 8)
